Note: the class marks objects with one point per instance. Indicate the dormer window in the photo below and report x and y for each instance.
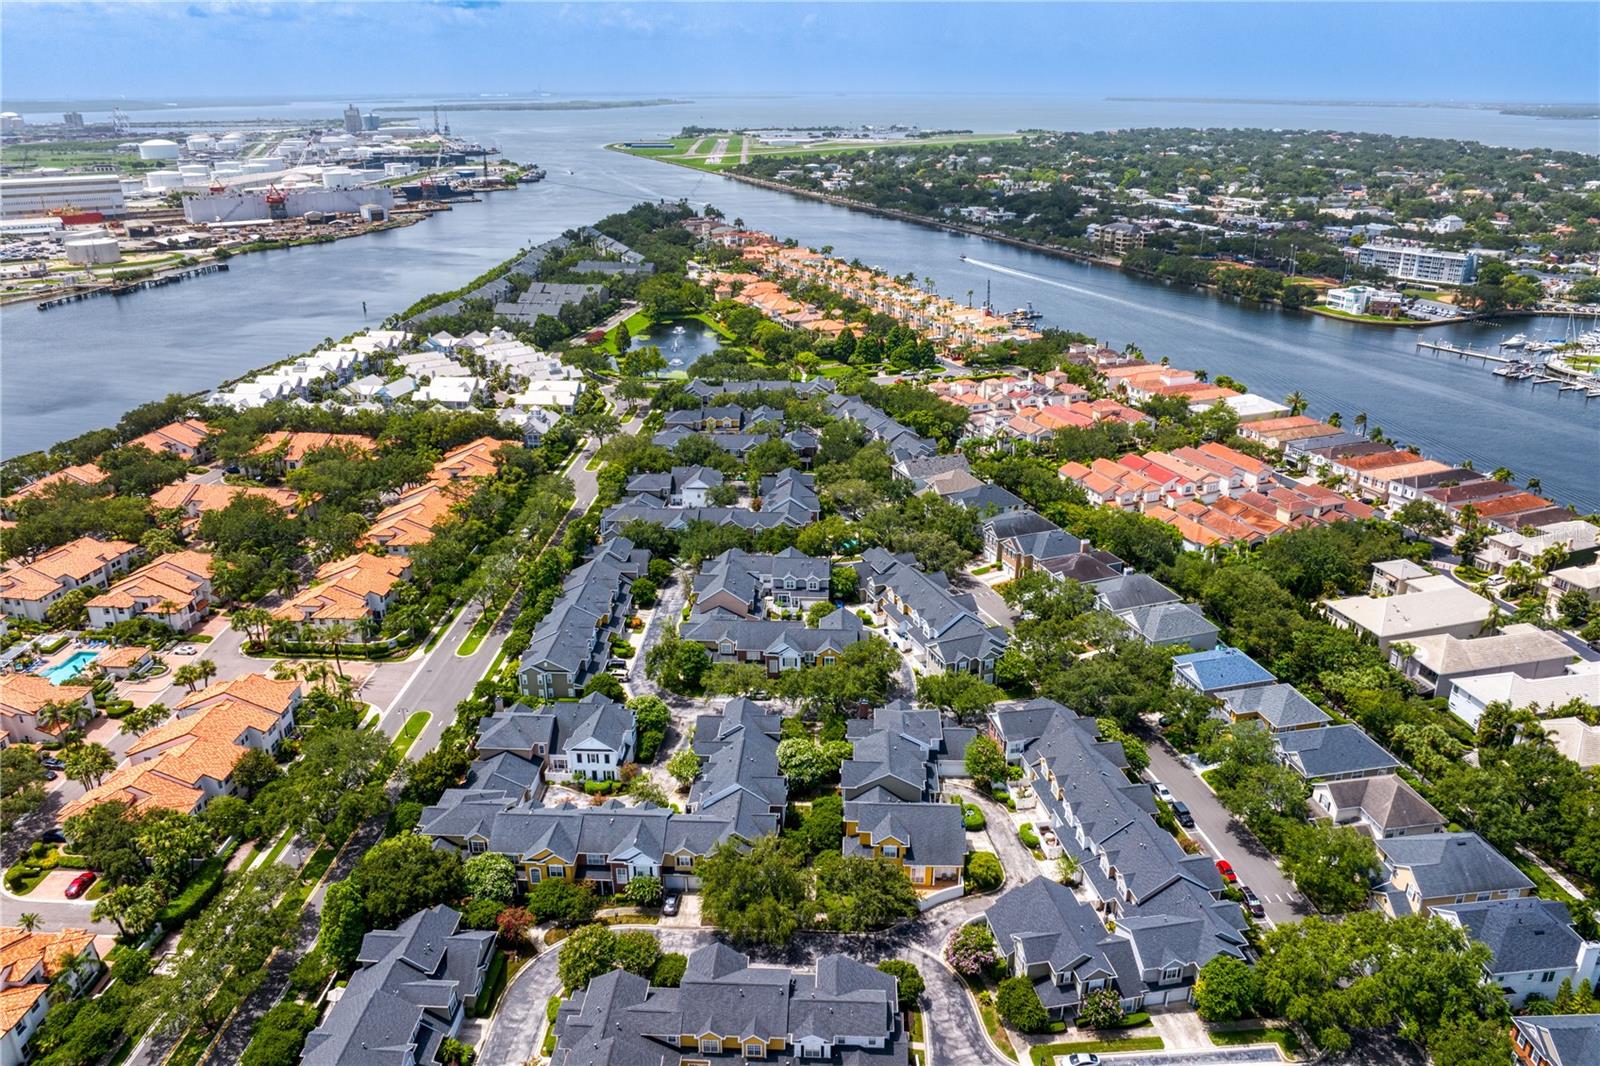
(755, 1049)
(710, 1045)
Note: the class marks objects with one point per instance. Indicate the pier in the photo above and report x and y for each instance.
(123, 288)
(1519, 369)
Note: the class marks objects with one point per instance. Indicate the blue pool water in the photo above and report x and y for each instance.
(71, 667)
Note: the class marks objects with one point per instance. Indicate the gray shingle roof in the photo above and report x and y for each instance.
(1333, 751)
(1524, 934)
(401, 1003)
(933, 833)
(1563, 1040)
(1128, 591)
(1280, 706)
(1452, 864)
(1170, 623)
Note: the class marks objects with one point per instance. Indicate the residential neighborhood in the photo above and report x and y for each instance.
(786, 710)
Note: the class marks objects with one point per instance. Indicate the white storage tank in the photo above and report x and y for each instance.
(200, 142)
(162, 180)
(339, 178)
(260, 166)
(157, 148)
(228, 166)
(93, 251)
(195, 174)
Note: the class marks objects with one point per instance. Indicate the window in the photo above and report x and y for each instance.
(1546, 977)
(710, 1045)
(891, 850)
(556, 870)
(477, 847)
(1171, 973)
(755, 1049)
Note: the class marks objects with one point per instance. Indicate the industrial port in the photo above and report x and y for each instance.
(109, 208)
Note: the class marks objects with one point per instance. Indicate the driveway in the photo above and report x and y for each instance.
(1226, 837)
(1019, 864)
(994, 609)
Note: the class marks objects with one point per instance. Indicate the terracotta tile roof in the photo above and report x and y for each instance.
(177, 576)
(410, 520)
(257, 690)
(21, 951)
(296, 446)
(122, 658)
(473, 459)
(76, 560)
(16, 1002)
(196, 498)
(26, 693)
(189, 435)
(140, 785)
(83, 474)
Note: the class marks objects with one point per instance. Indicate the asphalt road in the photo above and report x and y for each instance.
(1226, 837)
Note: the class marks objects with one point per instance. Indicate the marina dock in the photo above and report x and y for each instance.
(123, 288)
(1517, 369)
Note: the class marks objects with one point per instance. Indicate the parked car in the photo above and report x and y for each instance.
(81, 883)
(1180, 811)
(1252, 902)
(50, 775)
(1162, 792)
(1225, 868)
(53, 836)
(1083, 1059)
(617, 664)
(669, 905)
(50, 762)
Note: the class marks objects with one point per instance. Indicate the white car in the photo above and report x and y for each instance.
(1162, 792)
(1083, 1059)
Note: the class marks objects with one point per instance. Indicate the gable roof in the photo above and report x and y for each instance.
(1333, 750)
(1523, 934)
(1220, 669)
(1452, 864)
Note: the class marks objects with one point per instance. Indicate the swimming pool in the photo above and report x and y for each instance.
(71, 667)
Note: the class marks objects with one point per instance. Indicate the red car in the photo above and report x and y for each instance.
(1225, 868)
(81, 883)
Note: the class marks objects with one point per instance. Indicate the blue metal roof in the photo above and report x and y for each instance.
(1220, 668)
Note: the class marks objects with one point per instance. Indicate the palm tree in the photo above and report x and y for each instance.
(1502, 473)
(59, 714)
(336, 634)
(206, 668)
(1361, 421)
(188, 674)
(88, 764)
(1534, 484)
(29, 920)
(1336, 420)
(1297, 403)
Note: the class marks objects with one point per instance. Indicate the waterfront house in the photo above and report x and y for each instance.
(1332, 753)
(174, 589)
(1584, 579)
(726, 1009)
(414, 987)
(1437, 661)
(29, 587)
(1383, 806)
(1533, 945)
(1439, 869)
(187, 439)
(82, 474)
(1218, 670)
(22, 696)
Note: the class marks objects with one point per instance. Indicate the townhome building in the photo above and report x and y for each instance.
(1435, 663)
(1046, 934)
(1580, 684)
(1556, 1040)
(927, 840)
(281, 450)
(38, 969)
(774, 644)
(572, 641)
(724, 1008)
(586, 740)
(174, 590)
(739, 779)
(188, 439)
(414, 987)
(29, 587)
(1441, 869)
(356, 591)
(189, 760)
(23, 696)
(941, 629)
(741, 582)
(198, 498)
(1428, 606)
(81, 474)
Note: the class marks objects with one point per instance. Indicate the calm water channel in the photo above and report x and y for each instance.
(74, 368)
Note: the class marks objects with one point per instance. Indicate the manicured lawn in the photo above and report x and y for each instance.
(1045, 1054)
(991, 1018)
(494, 983)
(1284, 1038)
(410, 731)
(480, 629)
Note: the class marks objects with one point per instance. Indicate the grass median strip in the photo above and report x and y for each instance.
(409, 732)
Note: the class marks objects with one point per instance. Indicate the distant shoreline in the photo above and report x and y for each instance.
(1557, 111)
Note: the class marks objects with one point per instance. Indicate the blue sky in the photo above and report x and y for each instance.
(1377, 51)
